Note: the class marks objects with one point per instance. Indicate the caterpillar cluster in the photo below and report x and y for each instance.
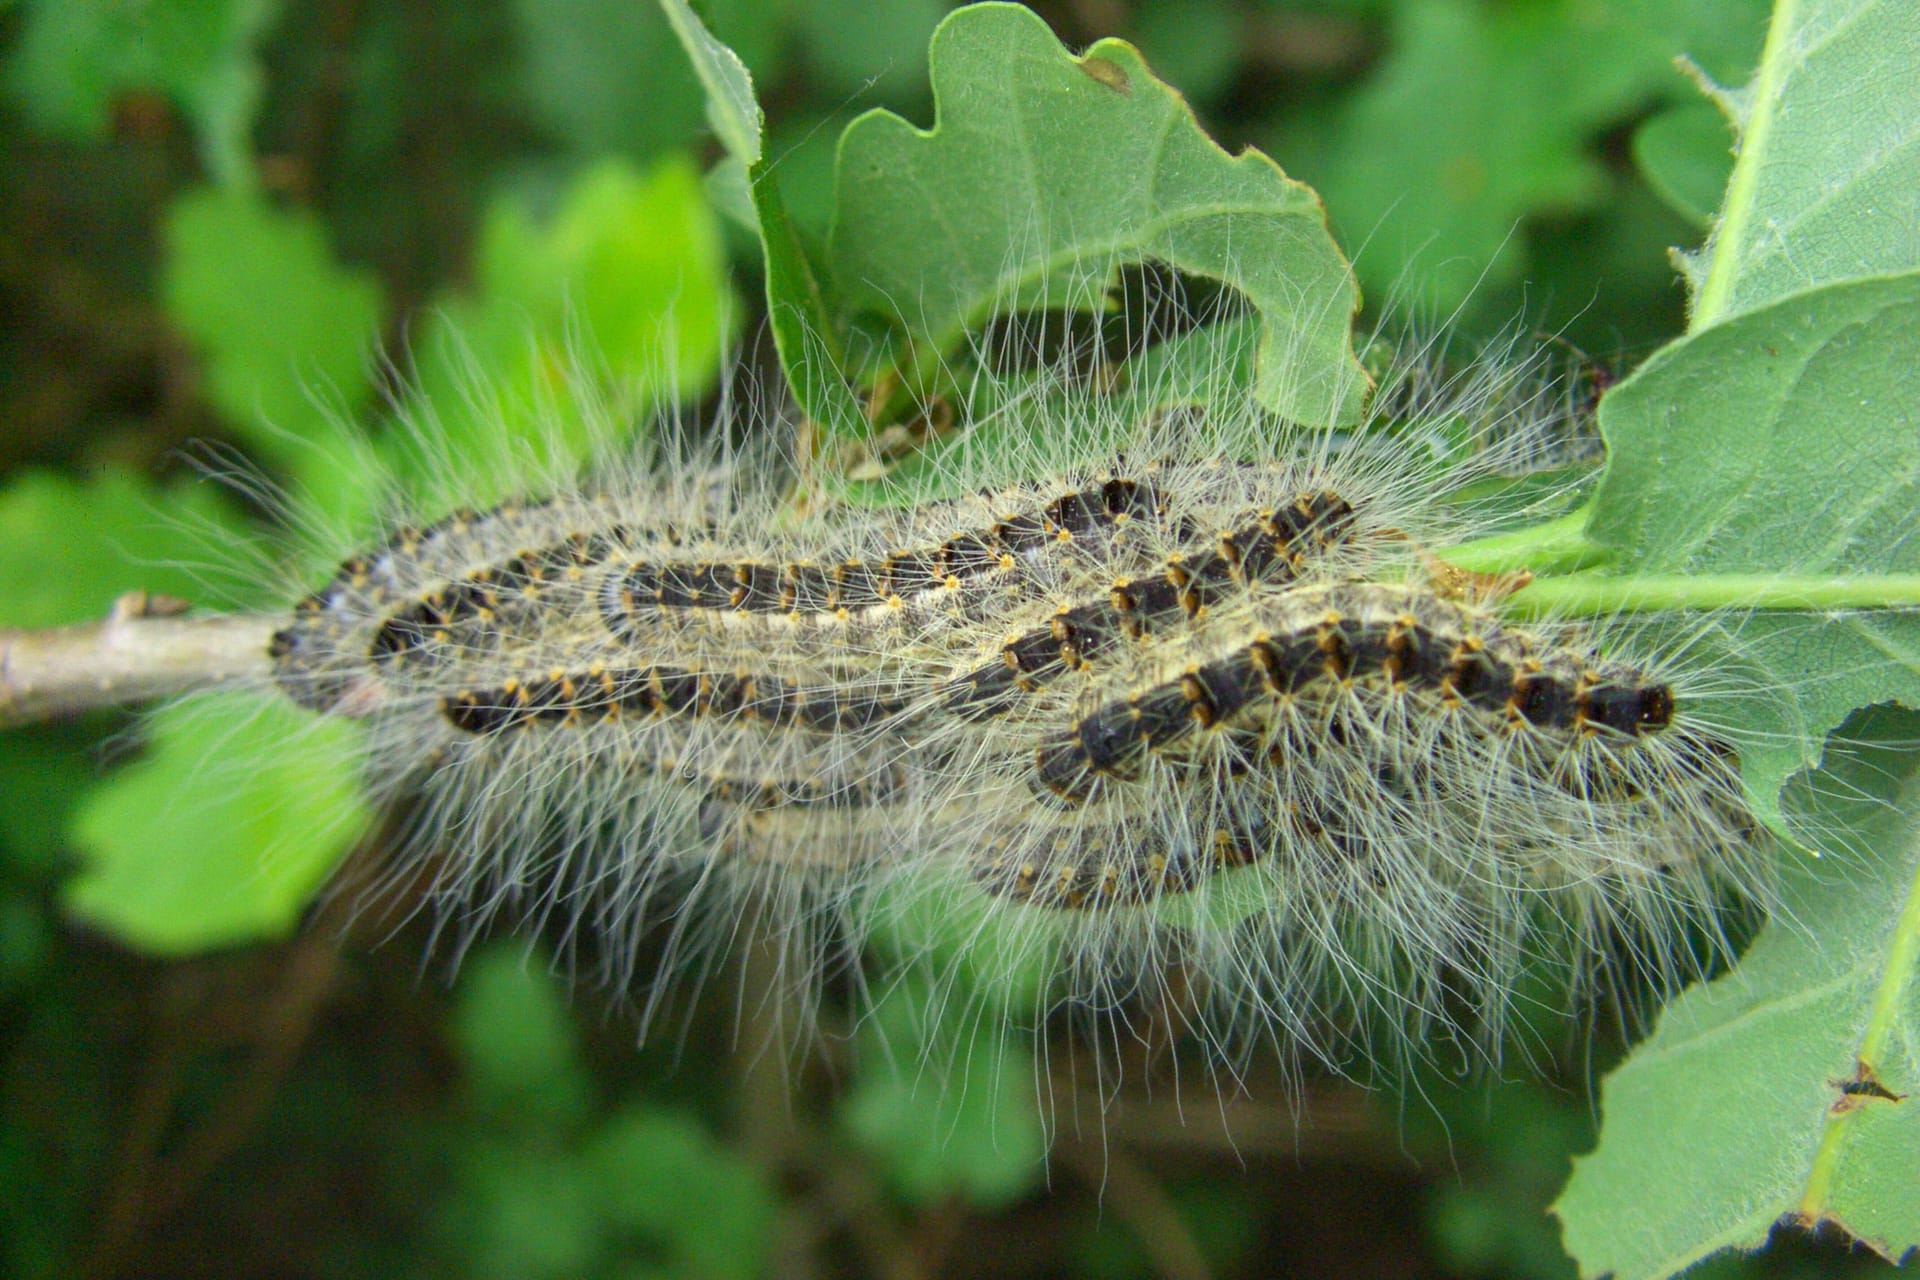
(1194, 710)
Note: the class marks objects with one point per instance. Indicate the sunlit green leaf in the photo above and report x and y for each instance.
(286, 333)
(578, 325)
(1042, 174)
(1828, 182)
(70, 547)
(1738, 1110)
(223, 829)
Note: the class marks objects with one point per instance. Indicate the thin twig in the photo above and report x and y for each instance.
(1143, 1203)
(281, 1027)
(148, 1185)
(861, 1204)
(141, 650)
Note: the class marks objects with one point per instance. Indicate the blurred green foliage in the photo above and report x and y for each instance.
(219, 217)
(183, 853)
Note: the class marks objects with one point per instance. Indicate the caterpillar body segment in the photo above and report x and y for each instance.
(455, 584)
(1368, 641)
(878, 580)
(1271, 550)
(569, 698)
(1201, 713)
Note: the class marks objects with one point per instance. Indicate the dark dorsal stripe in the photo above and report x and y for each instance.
(371, 573)
(600, 695)
(1270, 550)
(358, 573)
(797, 587)
(486, 593)
(306, 654)
(316, 656)
(1499, 674)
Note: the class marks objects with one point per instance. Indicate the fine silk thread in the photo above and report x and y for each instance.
(1207, 712)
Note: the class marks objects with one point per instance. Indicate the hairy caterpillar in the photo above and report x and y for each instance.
(1153, 699)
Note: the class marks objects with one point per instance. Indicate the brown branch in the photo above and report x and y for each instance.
(149, 1185)
(142, 650)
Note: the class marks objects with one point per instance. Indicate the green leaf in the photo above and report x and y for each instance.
(222, 831)
(1007, 961)
(1782, 441)
(872, 50)
(517, 1041)
(70, 547)
(731, 107)
(798, 309)
(1686, 154)
(520, 1211)
(944, 1098)
(1484, 115)
(75, 58)
(755, 30)
(1518, 1135)
(662, 1176)
(1827, 186)
(1604, 280)
(1044, 173)
(283, 330)
(1197, 45)
(607, 76)
(1752, 1100)
(801, 153)
(629, 267)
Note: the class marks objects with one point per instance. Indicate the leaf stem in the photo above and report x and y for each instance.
(1557, 546)
(1594, 594)
(1738, 210)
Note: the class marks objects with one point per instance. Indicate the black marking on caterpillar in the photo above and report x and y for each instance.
(1267, 551)
(491, 596)
(423, 580)
(632, 599)
(600, 694)
(1393, 639)
(865, 791)
(1110, 867)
